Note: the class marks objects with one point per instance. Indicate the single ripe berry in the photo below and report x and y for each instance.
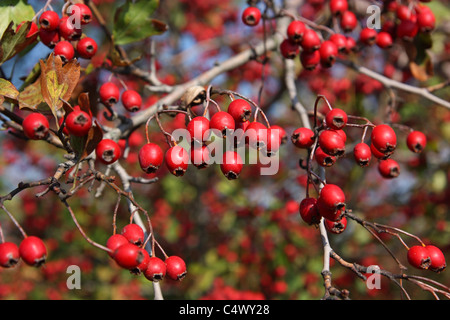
(240, 110)
(143, 265)
(35, 126)
(295, 31)
(384, 40)
(49, 38)
(87, 48)
(336, 119)
(332, 143)
(340, 41)
(49, 20)
(109, 93)
(419, 257)
(32, 250)
(200, 156)
(336, 227)
(303, 138)
(251, 16)
(331, 202)
(338, 7)
(351, 45)
(9, 254)
(175, 268)
(308, 211)
(323, 159)
(177, 160)
(378, 154)
(231, 165)
(362, 154)
(80, 12)
(289, 49)
(78, 123)
(416, 141)
(223, 122)
(310, 60)
(438, 263)
(348, 21)
(368, 36)
(114, 242)
(156, 269)
(198, 129)
(389, 168)
(108, 151)
(150, 157)
(274, 140)
(403, 12)
(426, 20)
(311, 41)
(68, 30)
(282, 133)
(131, 100)
(65, 50)
(384, 138)
(256, 135)
(407, 30)
(128, 256)
(328, 53)
(133, 233)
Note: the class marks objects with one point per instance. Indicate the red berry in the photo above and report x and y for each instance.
(131, 100)
(348, 21)
(332, 143)
(200, 156)
(289, 49)
(240, 110)
(133, 233)
(324, 159)
(87, 48)
(338, 7)
(114, 242)
(65, 50)
(9, 254)
(223, 122)
(282, 133)
(256, 134)
(331, 202)
(336, 119)
(274, 140)
(384, 40)
(416, 141)
(336, 227)
(143, 265)
(33, 32)
(108, 151)
(109, 93)
(378, 154)
(177, 160)
(68, 30)
(231, 165)
(295, 31)
(362, 154)
(407, 30)
(340, 41)
(303, 138)
(175, 268)
(150, 157)
(438, 263)
(156, 269)
(33, 251)
(308, 211)
(251, 16)
(49, 20)
(78, 122)
(403, 12)
(80, 12)
(426, 20)
(311, 41)
(128, 256)
(389, 168)
(49, 38)
(310, 60)
(384, 138)
(198, 129)
(351, 45)
(419, 257)
(35, 126)
(368, 36)
(328, 53)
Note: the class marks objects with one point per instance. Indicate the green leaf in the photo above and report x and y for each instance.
(13, 43)
(133, 22)
(14, 11)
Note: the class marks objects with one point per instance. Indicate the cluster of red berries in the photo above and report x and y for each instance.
(64, 35)
(110, 95)
(31, 250)
(127, 250)
(426, 257)
(224, 124)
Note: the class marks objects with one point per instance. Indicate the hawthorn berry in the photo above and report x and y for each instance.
(256, 135)
(426, 20)
(331, 202)
(198, 129)
(362, 154)
(336, 227)
(35, 126)
(332, 142)
(115, 241)
(323, 159)
(389, 168)
(49, 20)
(251, 16)
(80, 12)
(68, 30)
(131, 100)
(419, 257)
(177, 160)
(416, 141)
(108, 151)
(78, 122)
(240, 110)
(32, 250)
(310, 41)
(289, 49)
(308, 211)
(87, 48)
(143, 265)
(133, 233)
(368, 36)
(348, 21)
(384, 40)
(338, 7)
(156, 269)
(384, 138)
(150, 157)
(109, 93)
(403, 13)
(175, 268)
(310, 60)
(282, 133)
(303, 138)
(32, 32)
(328, 53)
(200, 156)
(274, 140)
(378, 154)
(340, 41)
(407, 30)
(65, 50)
(9, 254)
(231, 165)
(223, 122)
(438, 263)
(128, 256)
(295, 31)
(336, 119)
(49, 37)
